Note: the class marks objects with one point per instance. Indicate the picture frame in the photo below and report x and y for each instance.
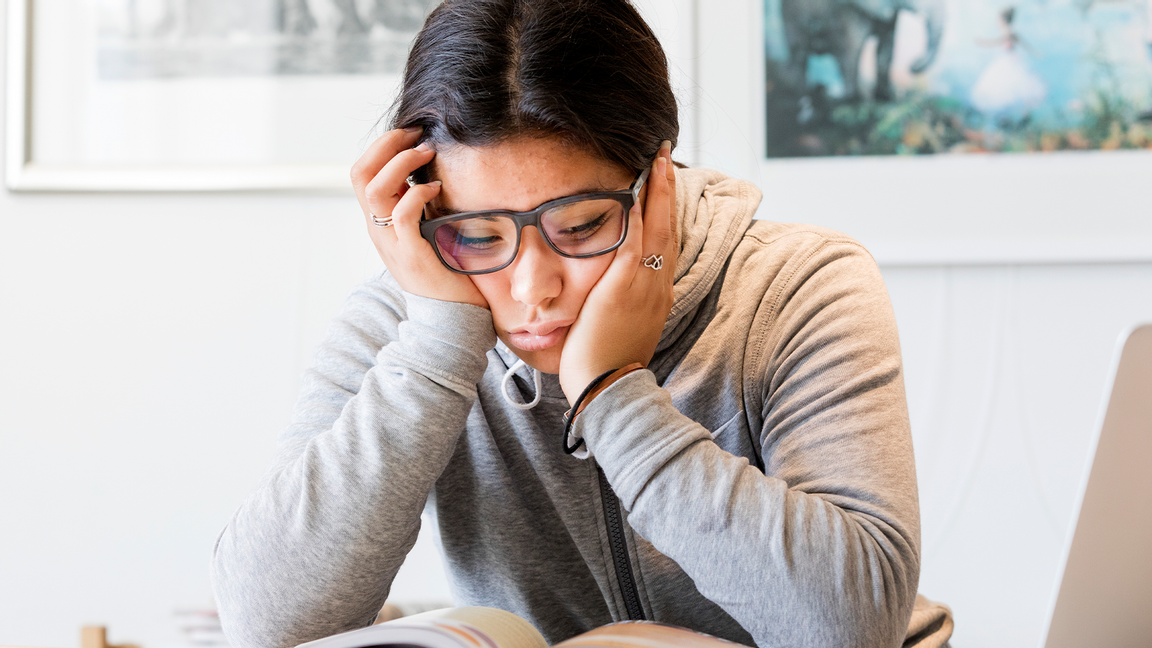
(1005, 208)
(85, 116)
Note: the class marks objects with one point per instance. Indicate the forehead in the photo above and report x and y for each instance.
(520, 174)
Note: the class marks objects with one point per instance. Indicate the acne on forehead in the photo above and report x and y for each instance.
(520, 174)
(513, 157)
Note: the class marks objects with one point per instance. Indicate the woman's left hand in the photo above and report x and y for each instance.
(623, 317)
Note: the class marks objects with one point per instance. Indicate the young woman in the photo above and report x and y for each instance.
(738, 460)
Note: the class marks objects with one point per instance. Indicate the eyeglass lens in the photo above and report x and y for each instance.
(583, 228)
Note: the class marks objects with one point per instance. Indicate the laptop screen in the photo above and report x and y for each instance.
(1104, 597)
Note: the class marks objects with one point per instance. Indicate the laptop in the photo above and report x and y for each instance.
(1104, 597)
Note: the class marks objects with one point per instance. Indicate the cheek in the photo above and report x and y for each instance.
(497, 292)
(581, 275)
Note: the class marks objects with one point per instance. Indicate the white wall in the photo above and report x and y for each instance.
(1006, 368)
(150, 348)
(149, 353)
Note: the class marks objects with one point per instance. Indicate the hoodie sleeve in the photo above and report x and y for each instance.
(821, 547)
(314, 550)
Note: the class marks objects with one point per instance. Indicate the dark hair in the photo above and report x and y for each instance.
(589, 72)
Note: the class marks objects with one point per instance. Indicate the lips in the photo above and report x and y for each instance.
(539, 335)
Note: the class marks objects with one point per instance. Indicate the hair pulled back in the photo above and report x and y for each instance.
(589, 72)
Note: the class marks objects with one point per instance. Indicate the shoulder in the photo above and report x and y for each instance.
(368, 319)
(781, 259)
(797, 282)
(375, 295)
(763, 247)
(772, 240)
(372, 311)
(378, 313)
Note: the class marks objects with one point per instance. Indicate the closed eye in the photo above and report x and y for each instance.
(585, 230)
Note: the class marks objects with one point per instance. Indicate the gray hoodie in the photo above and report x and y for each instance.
(756, 482)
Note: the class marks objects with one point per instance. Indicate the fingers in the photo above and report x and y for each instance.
(649, 228)
(390, 184)
(401, 245)
(379, 152)
(408, 212)
(380, 179)
(673, 213)
(379, 176)
(633, 246)
(658, 208)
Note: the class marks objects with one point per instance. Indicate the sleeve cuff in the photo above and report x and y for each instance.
(446, 341)
(634, 430)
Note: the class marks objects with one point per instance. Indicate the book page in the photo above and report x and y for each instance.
(501, 629)
(427, 634)
(644, 634)
(468, 627)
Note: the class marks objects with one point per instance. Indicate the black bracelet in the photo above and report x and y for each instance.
(569, 416)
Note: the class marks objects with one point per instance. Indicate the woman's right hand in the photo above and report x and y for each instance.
(380, 180)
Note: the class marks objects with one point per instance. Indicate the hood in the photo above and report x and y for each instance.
(714, 212)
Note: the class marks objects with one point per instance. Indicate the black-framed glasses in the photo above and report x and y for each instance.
(577, 227)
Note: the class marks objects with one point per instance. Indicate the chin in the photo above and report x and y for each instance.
(546, 361)
(548, 366)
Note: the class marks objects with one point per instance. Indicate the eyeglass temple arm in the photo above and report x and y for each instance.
(639, 184)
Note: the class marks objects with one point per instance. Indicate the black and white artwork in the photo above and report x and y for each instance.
(155, 39)
(202, 94)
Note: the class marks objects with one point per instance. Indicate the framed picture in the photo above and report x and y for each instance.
(155, 95)
(940, 131)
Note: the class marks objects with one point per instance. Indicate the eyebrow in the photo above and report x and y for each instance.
(448, 211)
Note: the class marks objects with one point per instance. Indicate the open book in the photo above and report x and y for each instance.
(480, 627)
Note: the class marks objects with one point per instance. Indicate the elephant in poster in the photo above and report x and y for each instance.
(841, 28)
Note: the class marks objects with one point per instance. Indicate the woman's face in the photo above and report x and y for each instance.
(536, 298)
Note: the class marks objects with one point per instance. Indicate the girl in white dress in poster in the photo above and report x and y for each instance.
(1008, 87)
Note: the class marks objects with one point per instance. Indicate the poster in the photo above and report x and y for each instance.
(879, 77)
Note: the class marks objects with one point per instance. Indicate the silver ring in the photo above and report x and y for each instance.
(381, 222)
(655, 262)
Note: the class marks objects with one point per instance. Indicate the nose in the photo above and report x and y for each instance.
(536, 277)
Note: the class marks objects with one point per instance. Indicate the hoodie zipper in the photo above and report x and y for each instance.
(619, 546)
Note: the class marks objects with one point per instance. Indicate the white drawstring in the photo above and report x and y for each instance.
(508, 378)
